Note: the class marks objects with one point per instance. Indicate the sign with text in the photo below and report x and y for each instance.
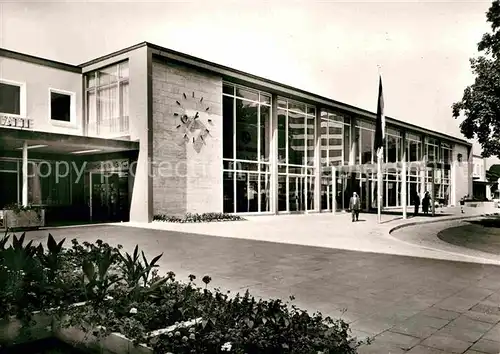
(15, 122)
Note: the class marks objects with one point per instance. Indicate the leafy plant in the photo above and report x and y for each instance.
(98, 279)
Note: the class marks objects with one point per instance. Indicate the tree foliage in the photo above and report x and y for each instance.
(480, 104)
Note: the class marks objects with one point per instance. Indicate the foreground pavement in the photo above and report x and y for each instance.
(409, 304)
(338, 232)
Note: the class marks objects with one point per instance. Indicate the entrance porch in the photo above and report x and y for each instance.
(74, 179)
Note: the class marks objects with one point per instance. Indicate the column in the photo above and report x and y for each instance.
(317, 161)
(25, 175)
(367, 189)
(404, 177)
(273, 156)
(453, 171)
(470, 168)
(334, 190)
(423, 169)
(433, 191)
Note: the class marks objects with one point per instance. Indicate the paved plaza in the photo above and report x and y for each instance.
(436, 301)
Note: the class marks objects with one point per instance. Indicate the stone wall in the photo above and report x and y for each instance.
(187, 152)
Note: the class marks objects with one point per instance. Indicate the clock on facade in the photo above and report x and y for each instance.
(194, 122)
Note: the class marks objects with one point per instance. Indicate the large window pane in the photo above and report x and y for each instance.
(248, 94)
(91, 113)
(108, 75)
(265, 132)
(246, 130)
(108, 109)
(392, 148)
(310, 141)
(10, 98)
(247, 192)
(282, 193)
(297, 193)
(281, 136)
(108, 113)
(310, 193)
(297, 107)
(227, 127)
(265, 193)
(228, 192)
(296, 139)
(366, 145)
(347, 144)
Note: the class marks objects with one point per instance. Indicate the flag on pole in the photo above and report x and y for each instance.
(379, 144)
(380, 124)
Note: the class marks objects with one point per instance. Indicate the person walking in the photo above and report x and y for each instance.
(416, 202)
(354, 205)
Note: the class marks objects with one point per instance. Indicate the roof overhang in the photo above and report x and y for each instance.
(63, 144)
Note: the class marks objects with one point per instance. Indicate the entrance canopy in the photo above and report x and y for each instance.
(53, 143)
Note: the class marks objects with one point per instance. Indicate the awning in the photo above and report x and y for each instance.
(55, 143)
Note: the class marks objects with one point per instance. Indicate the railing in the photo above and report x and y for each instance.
(109, 128)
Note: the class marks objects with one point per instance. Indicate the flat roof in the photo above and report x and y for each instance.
(237, 76)
(6, 53)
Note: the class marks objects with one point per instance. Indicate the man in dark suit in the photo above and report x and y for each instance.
(355, 205)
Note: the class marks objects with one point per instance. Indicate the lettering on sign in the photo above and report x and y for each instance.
(108, 165)
(15, 122)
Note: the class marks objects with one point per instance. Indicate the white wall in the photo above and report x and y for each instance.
(37, 80)
(461, 173)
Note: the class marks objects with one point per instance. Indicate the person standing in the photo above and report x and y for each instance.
(355, 205)
(416, 202)
(426, 201)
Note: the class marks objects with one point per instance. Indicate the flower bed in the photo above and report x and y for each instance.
(128, 308)
(23, 218)
(205, 217)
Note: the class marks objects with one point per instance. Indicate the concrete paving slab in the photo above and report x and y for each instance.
(386, 291)
(487, 346)
(446, 343)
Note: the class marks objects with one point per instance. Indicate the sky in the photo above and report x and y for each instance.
(329, 48)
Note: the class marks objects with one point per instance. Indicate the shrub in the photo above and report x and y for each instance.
(205, 217)
(123, 293)
(33, 278)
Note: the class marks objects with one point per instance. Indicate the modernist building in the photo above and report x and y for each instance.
(147, 131)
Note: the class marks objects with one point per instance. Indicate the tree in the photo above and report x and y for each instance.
(480, 104)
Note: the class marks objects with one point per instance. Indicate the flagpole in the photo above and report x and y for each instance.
(379, 174)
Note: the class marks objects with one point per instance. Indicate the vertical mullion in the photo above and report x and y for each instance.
(258, 153)
(234, 152)
(287, 139)
(97, 105)
(258, 192)
(258, 135)
(304, 188)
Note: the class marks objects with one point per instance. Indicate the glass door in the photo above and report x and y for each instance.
(109, 197)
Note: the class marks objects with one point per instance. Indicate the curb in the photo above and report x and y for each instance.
(402, 226)
(75, 226)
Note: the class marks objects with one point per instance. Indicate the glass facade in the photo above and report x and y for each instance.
(107, 102)
(296, 153)
(335, 130)
(306, 152)
(44, 187)
(246, 148)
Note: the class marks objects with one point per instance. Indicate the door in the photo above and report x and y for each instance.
(109, 197)
(8, 188)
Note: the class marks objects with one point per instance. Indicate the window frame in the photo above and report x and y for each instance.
(72, 109)
(95, 89)
(22, 95)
